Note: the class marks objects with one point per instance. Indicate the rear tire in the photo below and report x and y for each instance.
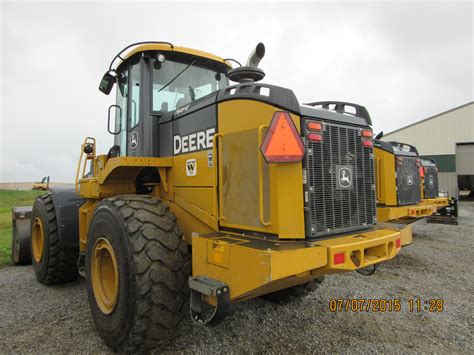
(153, 265)
(291, 294)
(52, 263)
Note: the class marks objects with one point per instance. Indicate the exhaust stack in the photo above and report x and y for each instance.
(250, 72)
(256, 56)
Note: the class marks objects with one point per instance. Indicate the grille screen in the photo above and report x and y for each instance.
(339, 189)
(408, 181)
(431, 182)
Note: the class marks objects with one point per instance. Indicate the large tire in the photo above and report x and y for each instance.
(291, 294)
(152, 263)
(52, 263)
(20, 248)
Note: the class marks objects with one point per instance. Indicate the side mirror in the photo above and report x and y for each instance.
(120, 121)
(379, 136)
(107, 83)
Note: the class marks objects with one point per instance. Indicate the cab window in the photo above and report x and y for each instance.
(134, 110)
(177, 83)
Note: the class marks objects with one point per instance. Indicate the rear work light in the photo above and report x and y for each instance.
(314, 126)
(283, 143)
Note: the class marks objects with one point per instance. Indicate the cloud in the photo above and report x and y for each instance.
(403, 61)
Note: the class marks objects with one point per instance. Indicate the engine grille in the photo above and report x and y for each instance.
(431, 182)
(331, 206)
(408, 181)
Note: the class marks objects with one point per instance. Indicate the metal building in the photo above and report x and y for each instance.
(448, 138)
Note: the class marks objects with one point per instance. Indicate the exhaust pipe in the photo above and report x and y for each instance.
(256, 56)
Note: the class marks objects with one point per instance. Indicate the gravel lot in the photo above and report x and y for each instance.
(439, 265)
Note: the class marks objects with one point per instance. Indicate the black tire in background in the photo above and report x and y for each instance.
(290, 294)
(57, 265)
(153, 263)
(20, 249)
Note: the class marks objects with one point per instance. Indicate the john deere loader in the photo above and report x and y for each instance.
(430, 194)
(211, 194)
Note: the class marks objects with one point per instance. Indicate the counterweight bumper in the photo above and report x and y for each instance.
(253, 266)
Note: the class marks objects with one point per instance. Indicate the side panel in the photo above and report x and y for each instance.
(385, 179)
(279, 198)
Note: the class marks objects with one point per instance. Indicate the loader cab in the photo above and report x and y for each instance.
(150, 86)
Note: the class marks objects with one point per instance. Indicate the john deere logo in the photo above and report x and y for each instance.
(409, 180)
(134, 140)
(344, 177)
(191, 167)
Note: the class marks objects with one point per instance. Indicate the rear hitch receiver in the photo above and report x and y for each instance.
(217, 292)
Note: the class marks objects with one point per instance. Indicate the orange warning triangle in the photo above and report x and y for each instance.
(283, 142)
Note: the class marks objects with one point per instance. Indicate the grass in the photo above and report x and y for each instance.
(8, 199)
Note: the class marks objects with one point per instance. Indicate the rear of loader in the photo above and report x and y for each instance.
(212, 194)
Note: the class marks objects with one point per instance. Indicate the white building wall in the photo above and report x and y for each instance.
(440, 134)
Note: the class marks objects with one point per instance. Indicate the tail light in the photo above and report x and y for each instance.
(422, 171)
(417, 162)
(398, 243)
(282, 144)
(314, 137)
(367, 143)
(314, 126)
(367, 133)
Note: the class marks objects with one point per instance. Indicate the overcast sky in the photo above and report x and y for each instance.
(403, 61)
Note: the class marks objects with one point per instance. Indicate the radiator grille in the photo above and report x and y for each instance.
(408, 181)
(330, 207)
(431, 182)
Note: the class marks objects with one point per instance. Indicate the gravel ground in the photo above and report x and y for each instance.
(35, 318)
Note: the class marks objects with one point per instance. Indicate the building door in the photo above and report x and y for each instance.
(465, 168)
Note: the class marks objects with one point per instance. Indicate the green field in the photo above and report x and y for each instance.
(8, 199)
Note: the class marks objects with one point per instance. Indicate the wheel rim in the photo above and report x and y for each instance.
(105, 276)
(37, 240)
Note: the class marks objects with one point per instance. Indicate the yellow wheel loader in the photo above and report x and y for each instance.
(402, 194)
(211, 194)
(430, 194)
(42, 185)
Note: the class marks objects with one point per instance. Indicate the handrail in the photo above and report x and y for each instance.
(260, 179)
(215, 163)
(89, 156)
(378, 178)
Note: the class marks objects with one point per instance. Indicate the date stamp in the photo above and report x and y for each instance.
(381, 305)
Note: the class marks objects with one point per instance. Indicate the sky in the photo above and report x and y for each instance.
(404, 61)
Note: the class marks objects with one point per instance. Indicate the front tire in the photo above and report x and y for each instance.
(137, 270)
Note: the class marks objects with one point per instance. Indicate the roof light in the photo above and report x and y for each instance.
(367, 143)
(282, 144)
(339, 258)
(314, 137)
(366, 133)
(314, 126)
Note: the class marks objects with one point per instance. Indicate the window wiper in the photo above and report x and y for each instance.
(177, 75)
